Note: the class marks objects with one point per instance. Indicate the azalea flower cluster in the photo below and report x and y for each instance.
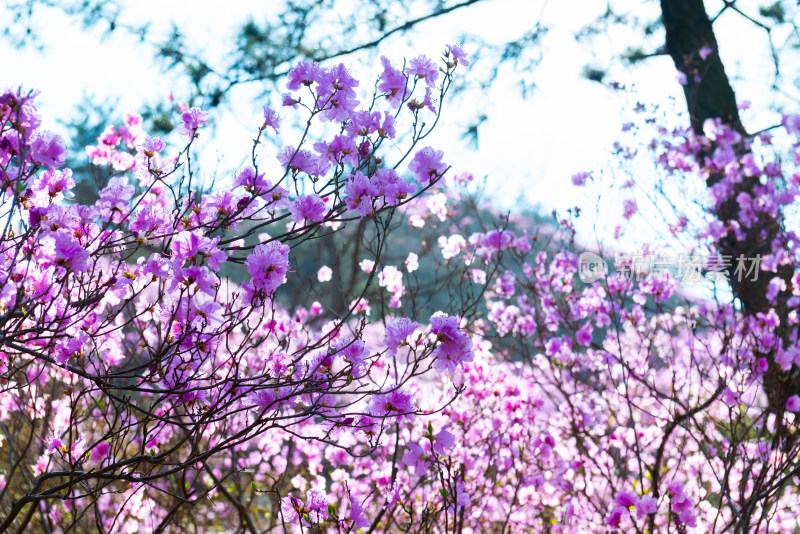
(133, 358)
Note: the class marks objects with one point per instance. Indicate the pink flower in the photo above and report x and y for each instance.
(152, 146)
(792, 123)
(251, 182)
(461, 496)
(443, 440)
(393, 495)
(113, 202)
(793, 404)
(317, 504)
(360, 193)
(324, 274)
(391, 186)
(196, 248)
(54, 183)
(100, 451)
(55, 444)
(412, 262)
(704, 52)
(354, 351)
(627, 499)
(291, 506)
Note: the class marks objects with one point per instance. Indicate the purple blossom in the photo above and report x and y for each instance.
(397, 332)
(391, 186)
(194, 247)
(355, 352)
(397, 403)
(298, 160)
(48, 149)
(459, 56)
(54, 183)
(792, 123)
(629, 208)
(150, 219)
(307, 207)
(152, 146)
(55, 444)
(646, 506)
(113, 203)
(199, 277)
(454, 348)
(461, 496)
(615, 517)
(336, 94)
(357, 514)
(192, 120)
(271, 119)
(100, 451)
(360, 193)
(288, 100)
(69, 347)
(304, 73)
(291, 507)
(584, 334)
(69, 253)
(393, 495)
(363, 123)
(579, 179)
(427, 165)
(627, 499)
(417, 458)
(443, 440)
(268, 265)
(342, 149)
(393, 83)
(423, 67)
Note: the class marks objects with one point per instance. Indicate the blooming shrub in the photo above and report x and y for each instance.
(144, 390)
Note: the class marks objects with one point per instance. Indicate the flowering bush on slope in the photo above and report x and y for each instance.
(142, 391)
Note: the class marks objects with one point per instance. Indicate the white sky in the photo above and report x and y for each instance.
(528, 148)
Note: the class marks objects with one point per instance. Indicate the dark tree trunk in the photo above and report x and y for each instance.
(709, 95)
(688, 30)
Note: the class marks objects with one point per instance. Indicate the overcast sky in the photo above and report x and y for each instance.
(528, 148)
